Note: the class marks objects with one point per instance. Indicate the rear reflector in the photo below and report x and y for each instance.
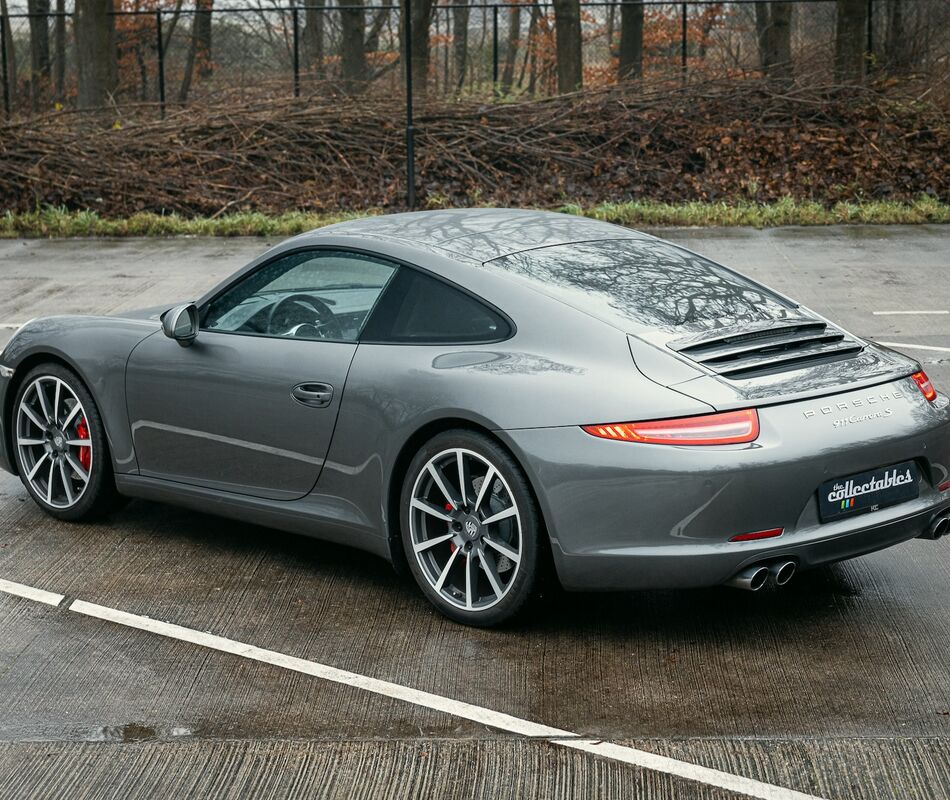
(943, 486)
(771, 533)
(729, 427)
(925, 386)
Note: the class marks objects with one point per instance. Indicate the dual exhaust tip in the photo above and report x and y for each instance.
(755, 577)
(938, 528)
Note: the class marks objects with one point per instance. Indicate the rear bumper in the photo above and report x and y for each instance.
(695, 566)
(623, 515)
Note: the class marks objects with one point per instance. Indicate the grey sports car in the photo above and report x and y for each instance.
(474, 395)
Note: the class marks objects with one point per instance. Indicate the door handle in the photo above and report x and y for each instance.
(315, 395)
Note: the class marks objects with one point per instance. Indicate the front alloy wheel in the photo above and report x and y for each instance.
(470, 528)
(59, 444)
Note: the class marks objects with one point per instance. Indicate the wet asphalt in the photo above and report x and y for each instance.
(837, 685)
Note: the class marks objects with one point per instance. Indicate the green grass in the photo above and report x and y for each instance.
(58, 222)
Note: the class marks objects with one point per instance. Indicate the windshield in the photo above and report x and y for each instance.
(647, 283)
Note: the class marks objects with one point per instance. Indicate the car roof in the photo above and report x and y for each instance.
(481, 233)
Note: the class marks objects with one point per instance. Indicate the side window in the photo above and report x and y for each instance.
(420, 309)
(314, 294)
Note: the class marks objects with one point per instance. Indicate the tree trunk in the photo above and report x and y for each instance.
(421, 22)
(773, 26)
(897, 50)
(98, 71)
(313, 35)
(533, 28)
(460, 17)
(59, 43)
(11, 51)
(630, 61)
(352, 45)
(203, 38)
(511, 50)
(567, 34)
(39, 39)
(850, 32)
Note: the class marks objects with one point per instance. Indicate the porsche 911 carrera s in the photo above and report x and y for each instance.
(475, 394)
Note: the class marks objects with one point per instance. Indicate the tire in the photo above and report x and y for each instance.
(45, 430)
(474, 558)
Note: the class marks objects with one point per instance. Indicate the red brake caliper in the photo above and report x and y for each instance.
(85, 453)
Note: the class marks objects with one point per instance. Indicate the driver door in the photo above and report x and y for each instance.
(251, 405)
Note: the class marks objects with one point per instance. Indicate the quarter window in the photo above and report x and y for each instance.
(420, 309)
(314, 294)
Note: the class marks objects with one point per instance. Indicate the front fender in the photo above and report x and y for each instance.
(97, 349)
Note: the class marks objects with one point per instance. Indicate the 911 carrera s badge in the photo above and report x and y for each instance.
(868, 491)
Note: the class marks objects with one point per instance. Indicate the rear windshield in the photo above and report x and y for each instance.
(645, 282)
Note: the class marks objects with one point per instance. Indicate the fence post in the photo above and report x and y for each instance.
(296, 20)
(494, 50)
(684, 44)
(410, 131)
(160, 50)
(3, 57)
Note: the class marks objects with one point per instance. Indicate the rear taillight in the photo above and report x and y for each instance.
(925, 386)
(729, 427)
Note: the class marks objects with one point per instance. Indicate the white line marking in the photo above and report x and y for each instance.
(900, 313)
(29, 593)
(916, 346)
(484, 716)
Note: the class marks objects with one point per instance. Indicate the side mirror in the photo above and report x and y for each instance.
(181, 324)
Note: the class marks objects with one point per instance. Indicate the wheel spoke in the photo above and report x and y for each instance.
(443, 576)
(38, 388)
(32, 415)
(485, 487)
(437, 476)
(508, 512)
(56, 394)
(420, 546)
(49, 482)
(36, 466)
(460, 459)
(488, 564)
(504, 549)
(470, 581)
(78, 468)
(79, 442)
(428, 508)
(71, 415)
(30, 442)
(67, 482)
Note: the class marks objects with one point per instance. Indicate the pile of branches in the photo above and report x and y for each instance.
(731, 141)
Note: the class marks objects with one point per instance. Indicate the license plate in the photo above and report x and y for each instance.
(868, 491)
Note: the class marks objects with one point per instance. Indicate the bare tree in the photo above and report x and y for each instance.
(630, 61)
(39, 39)
(511, 49)
(59, 45)
(567, 34)
(313, 34)
(897, 47)
(460, 17)
(850, 30)
(421, 22)
(352, 45)
(199, 51)
(94, 27)
(773, 27)
(11, 49)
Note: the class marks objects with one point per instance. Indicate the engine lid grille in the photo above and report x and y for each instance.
(749, 353)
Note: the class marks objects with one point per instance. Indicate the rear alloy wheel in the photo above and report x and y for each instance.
(470, 528)
(59, 444)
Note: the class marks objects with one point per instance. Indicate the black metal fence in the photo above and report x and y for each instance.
(508, 48)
